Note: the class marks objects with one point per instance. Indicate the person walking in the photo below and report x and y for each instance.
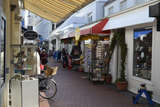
(64, 58)
(44, 57)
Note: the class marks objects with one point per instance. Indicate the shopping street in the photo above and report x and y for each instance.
(75, 90)
(107, 53)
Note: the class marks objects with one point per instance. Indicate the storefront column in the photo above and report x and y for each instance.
(7, 13)
(50, 44)
(58, 43)
(113, 63)
(15, 31)
(155, 77)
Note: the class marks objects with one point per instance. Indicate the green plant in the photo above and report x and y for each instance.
(119, 39)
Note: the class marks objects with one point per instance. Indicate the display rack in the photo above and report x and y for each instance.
(97, 70)
(88, 60)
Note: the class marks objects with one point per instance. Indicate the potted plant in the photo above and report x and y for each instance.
(119, 39)
(108, 78)
(122, 83)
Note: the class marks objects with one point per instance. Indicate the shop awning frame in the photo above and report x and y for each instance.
(55, 10)
(95, 28)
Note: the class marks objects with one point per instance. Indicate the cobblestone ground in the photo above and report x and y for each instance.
(74, 90)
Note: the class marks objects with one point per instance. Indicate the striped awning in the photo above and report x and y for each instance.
(55, 10)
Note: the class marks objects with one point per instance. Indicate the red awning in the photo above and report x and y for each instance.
(95, 28)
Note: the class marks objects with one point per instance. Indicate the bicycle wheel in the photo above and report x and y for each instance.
(50, 89)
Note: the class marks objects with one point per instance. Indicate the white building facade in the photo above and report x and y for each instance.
(86, 15)
(142, 38)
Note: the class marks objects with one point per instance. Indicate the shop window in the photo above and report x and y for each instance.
(139, 2)
(123, 4)
(142, 53)
(110, 10)
(90, 18)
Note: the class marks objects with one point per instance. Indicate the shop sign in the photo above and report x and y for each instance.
(30, 35)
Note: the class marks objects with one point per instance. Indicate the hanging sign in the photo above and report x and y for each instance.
(30, 35)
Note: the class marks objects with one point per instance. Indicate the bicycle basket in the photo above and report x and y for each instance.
(51, 70)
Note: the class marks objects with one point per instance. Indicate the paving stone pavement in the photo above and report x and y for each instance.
(44, 102)
(74, 90)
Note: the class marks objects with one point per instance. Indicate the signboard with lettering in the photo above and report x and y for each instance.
(30, 35)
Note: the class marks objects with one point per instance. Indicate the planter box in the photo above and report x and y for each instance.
(122, 86)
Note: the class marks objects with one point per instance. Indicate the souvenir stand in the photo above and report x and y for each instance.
(99, 62)
(96, 55)
(94, 50)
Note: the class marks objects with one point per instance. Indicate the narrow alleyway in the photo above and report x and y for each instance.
(76, 91)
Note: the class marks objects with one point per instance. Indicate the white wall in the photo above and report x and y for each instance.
(99, 10)
(91, 8)
(116, 6)
(156, 63)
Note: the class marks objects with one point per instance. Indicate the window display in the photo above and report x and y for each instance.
(142, 53)
(24, 60)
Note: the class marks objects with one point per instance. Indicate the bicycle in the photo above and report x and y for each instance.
(47, 85)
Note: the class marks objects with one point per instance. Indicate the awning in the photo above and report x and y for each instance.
(130, 18)
(138, 34)
(95, 28)
(91, 29)
(55, 10)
